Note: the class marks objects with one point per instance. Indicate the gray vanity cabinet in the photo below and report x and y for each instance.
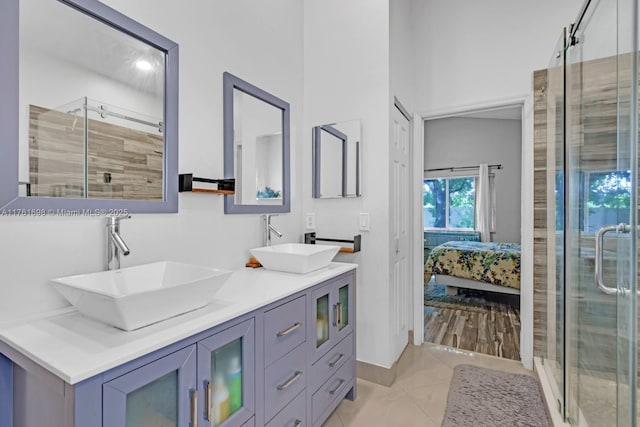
(287, 364)
(332, 349)
(216, 374)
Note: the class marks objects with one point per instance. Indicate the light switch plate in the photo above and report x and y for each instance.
(364, 222)
(310, 221)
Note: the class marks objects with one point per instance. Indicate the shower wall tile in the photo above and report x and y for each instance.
(539, 210)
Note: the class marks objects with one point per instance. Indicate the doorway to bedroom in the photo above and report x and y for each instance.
(472, 230)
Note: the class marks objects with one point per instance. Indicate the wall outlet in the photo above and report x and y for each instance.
(310, 221)
(363, 222)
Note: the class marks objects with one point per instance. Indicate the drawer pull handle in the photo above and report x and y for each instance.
(285, 385)
(298, 423)
(335, 362)
(193, 394)
(335, 390)
(207, 399)
(289, 329)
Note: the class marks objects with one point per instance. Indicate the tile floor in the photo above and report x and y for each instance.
(418, 397)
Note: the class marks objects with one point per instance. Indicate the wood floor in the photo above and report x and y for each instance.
(492, 330)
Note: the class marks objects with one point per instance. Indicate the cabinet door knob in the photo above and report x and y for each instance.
(295, 377)
(290, 329)
(193, 422)
(298, 423)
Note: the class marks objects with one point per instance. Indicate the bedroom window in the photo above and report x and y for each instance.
(608, 196)
(449, 203)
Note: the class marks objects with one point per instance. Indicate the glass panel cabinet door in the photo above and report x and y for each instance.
(320, 331)
(226, 375)
(332, 307)
(343, 307)
(342, 303)
(159, 394)
(155, 403)
(322, 320)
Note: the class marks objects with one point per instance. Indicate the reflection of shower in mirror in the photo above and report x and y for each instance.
(109, 152)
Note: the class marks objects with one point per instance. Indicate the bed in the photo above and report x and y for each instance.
(487, 266)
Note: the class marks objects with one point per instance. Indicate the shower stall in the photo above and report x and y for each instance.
(586, 216)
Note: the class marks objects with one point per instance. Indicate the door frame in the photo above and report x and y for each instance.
(525, 102)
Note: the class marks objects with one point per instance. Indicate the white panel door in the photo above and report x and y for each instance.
(400, 288)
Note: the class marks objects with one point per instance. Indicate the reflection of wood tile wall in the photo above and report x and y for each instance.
(122, 163)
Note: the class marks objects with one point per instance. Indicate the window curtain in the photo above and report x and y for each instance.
(485, 204)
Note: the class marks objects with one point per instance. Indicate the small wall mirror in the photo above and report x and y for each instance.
(256, 148)
(91, 97)
(337, 160)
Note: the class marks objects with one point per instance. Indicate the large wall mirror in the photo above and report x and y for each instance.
(89, 117)
(336, 160)
(256, 148)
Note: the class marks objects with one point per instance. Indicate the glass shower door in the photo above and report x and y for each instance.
(553, 317)
(601, 217)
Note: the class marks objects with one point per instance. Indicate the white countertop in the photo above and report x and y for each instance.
(76, 348)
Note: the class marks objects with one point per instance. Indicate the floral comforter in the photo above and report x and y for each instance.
(489, 262)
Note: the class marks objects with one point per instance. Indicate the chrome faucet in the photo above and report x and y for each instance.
(115, 244)
(268, 229)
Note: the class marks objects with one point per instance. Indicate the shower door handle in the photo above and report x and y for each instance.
(620, 228)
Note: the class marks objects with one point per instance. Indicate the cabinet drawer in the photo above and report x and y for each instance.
(284, 329)
(333, 390)
(284, 380)
(293, 415)
(331, 362)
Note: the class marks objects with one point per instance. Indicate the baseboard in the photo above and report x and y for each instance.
(377, 374)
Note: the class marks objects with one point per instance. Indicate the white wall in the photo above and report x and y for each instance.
(403, 82)
(260, 42)
(469, 52)
(460, 141)
(402, 53)
(346, 78)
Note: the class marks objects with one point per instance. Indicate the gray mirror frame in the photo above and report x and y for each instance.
(317, 166)
(231, 82)
(317, 151)
(10, 200)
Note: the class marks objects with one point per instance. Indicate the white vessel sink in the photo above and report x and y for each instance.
(133, 297)
(295, 257)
